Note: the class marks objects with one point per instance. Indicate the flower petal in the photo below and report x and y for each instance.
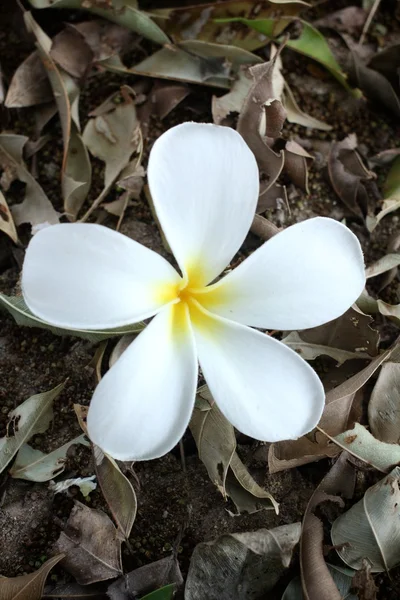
(264, 388)
(204, 184)
(305, 276)
(79, 275)
(142, 406)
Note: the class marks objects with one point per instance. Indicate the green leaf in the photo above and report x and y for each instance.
(16, 306)
(312, 43)
(164, 593)
(124, 15)
(29, 418)
(391, 188)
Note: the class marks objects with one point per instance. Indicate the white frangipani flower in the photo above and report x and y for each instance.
(204, 184)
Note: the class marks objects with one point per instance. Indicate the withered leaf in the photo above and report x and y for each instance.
(117, 491)
(36, 208)
(29, 85)
(347, 175)
(70, 51)
(7, 224)
(371, 528)
(297, 161)
(251, 564)
(363, 582)
(27, 587)
(147, 578)
(91, 546)
(310, 351)
(104, 39)
(384, 405)
(349, 19)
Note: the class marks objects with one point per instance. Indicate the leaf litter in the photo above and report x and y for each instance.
(231, 59)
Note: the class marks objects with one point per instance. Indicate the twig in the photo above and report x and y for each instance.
(183, 459)
(368, 22)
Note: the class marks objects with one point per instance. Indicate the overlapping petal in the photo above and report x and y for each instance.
(304, 276)
(142, 406)
(204, 184)
(79, 275)
(263, 388)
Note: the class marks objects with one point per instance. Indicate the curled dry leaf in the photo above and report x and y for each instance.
(16, 306)
(7, 224)
(29, 418)
(218, 22)
(347, 174)
(335, 419)
(113, 137)
(36, 208)
(104, 39)
(91, 546)
(363, 582)
(71, 52)
(384, 405)
(117, 491)
(361, 444)
(27, 587)
(310, 351)
(317, 581)
(371, 528)
(297, 161)
(85, 484)
(126, 14)
(342, 576)
(251, 564)
(34, 465)
(261, 96)
(29, 84)
(146, 578)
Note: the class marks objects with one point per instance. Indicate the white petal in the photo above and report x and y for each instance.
(204, 184)
(305, 276)
(264, 388)
(142, 406)
(78, 275)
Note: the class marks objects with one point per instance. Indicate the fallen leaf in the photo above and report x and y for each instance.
(117, 491)
(7, 224)
(16, 306)
(294, 114)
(251, 564)
(70, 51)
(29, 418)
(113, 137)
(36, 208)
(27, 587)
(215, 440)
(361, 444)
(386, 263)
(91, 546)
(126, 15)
(384, 405)
(351, 331)
(165, 593)
(261, 97)
(218, 22)
(342, 577)
(164, 97)
(392, 311)
(105, 39)
(85, 484)
(146, 578)
(29, 84)
(386, 62)
(74, 591)
(312, 351)
(34, 465)
(244, 491)
(317, 580)
(371, 528)
(76, 171)
(297, 161)
(348, 174)
(385, 157)
(349, 19)
(363, 582)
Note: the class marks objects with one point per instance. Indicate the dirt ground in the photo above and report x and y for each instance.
(172, 502)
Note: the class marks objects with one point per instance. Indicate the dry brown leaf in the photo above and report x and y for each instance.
(297, 162)
(76, 168)
(347, 174)
(36, 208)
(384, 405)
(317, 581)
(27, 587)
(91, 546)
(29, 85)
(7, 225)
(117, 491)
(70, 51)
(146, 579)
(260, 96)
(105, 39)
(349, 19)
(363, 582)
